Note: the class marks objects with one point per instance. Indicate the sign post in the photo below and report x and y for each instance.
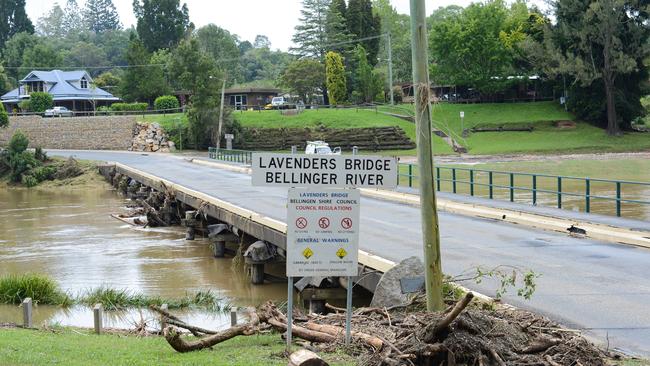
(323, 213)
(462, 120)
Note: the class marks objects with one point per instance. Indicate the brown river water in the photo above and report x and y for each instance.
(70, 236)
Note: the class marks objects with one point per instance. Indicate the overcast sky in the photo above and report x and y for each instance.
(246, 18)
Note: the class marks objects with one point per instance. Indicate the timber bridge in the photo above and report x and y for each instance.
(591, 282)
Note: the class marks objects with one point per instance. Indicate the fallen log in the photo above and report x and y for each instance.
(306, 334)
(433, 330)
(374, 342)
(304, 357)
(540, 344)
(180, 345)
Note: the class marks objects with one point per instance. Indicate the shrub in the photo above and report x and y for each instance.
(40, 101)
(40, 155)
(44, 173)
(4, 117)
(166, 102)
(103, 110)
(18, 143)
(25, 106)
(29, 181)
(20, 164)
(129, 107)
(70, 169)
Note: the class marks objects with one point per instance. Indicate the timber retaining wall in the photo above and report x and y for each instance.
(373, 138)
(79, 133)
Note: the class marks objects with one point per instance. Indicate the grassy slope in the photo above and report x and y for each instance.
(546, 138)
(80, 347)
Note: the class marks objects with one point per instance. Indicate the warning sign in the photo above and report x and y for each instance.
(327, 171)
(322, 235)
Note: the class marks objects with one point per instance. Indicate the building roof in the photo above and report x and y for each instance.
(62, 88)
(251, 90)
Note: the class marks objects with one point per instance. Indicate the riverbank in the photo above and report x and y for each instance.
(78, 346)
(84, 175)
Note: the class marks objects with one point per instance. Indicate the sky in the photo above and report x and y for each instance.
(247, 18)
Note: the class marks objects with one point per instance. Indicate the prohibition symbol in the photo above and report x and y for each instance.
(346, 223)
(301, 223)
(324, 222)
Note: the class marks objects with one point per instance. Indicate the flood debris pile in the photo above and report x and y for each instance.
(463, 334)
(151, 208)
(150, 137)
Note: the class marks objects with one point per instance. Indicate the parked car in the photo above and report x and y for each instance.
(321, 148)
(58, 112)
(278, 102)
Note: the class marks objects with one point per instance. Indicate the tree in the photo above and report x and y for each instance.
(4, 81)
(51, 24)
(604, 41)
(107, 80)
(101, 16)
(197, 73)
(221, 45)
(399, 28)
(4, 117)
(85, 54)
(13, 20)
(304, 77)
(364, 88)
(13, 53)
(310, 36)
(335, 78)
(262, 41)
(336, 30)
(262, 64)
(72, 17)
(43, 56)
(470, 48)
(142, 81)
(362, 23)
(161, 23)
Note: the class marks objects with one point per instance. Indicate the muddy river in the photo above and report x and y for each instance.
(70, 236)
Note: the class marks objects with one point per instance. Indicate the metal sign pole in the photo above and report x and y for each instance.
(348, 312)
(289, 312)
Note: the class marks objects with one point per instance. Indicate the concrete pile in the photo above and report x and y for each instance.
(150, 137)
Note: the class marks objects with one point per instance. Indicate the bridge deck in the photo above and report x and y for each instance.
(592, 285)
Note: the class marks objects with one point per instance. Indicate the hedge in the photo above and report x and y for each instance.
(166, 102)
(129, 106)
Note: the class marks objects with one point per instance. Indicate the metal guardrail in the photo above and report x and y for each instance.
(472, 179)
(235, 156)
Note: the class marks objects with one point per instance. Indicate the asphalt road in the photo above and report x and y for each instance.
(599, 287)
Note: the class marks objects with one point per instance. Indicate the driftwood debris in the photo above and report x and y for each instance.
(305, 357)
(462, 335)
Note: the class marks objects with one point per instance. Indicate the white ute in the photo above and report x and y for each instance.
(321, 148)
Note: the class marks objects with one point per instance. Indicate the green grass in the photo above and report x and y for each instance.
(41, 289)
(80, 347)
(44, 290)
(545, 139)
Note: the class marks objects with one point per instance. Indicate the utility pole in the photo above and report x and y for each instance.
(390, 69)
(223, 94)
(429, 214)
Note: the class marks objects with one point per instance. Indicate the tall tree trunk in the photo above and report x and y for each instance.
(608, 80)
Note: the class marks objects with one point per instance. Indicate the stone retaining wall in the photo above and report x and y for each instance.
(79, 133)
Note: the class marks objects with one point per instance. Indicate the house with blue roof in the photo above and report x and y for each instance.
(71, 89)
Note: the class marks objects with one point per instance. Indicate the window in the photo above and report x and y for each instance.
(84, 83)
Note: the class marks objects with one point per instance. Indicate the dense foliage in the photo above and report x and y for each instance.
(129, 107)
(165, 102)
(335, 74)
(4, 118)
(40, 101)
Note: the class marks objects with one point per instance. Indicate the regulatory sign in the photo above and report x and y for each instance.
(327, 171)
(322, 232)
(462, 114)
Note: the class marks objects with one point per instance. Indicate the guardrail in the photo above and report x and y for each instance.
(536, 189)
(511, 185)
(235, 156)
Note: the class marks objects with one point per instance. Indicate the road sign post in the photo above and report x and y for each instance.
(322, 213)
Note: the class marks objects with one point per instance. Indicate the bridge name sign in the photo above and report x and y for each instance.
(327, 171)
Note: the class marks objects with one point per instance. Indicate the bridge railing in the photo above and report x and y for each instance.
(586, 194)
(235, 156)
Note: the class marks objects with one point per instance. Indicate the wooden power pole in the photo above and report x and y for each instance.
(223, 93)
(430, 230)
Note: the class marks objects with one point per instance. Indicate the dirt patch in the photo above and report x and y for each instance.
(565, 124)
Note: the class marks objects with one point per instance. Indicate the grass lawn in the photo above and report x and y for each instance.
(545, 139)
(80, 347)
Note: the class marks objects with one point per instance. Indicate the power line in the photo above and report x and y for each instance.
(100, 67)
